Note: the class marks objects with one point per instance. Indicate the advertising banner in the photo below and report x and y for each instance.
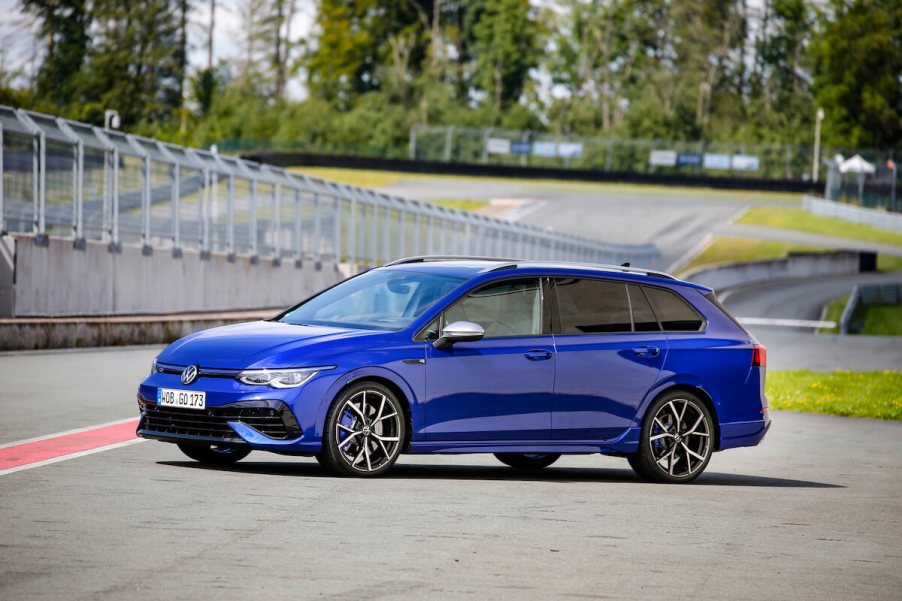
(745, 162)
(544, 149)
(689, 159)
(570, 150)
(498, 146)
(521, 147)
(716, 161)
(662, 158)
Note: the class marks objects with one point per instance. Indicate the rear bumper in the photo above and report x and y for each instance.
(743, 434)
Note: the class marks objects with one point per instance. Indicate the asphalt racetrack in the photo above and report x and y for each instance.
(812, 513)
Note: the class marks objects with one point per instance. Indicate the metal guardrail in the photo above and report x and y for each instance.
(867, 295)
(69, 179)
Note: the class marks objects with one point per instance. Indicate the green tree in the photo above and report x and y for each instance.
(506, 45)
(857, 57)
(64, 25)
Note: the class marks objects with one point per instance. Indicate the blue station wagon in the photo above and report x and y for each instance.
(524, 360)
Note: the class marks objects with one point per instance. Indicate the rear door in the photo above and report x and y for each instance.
(610, 350)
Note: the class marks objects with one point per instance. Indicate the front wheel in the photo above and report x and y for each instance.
(676, 441)
(528, 461)
(364, 431)
(212, 454)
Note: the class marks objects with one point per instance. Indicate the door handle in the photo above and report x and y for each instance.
(647, 351)
(537, 355)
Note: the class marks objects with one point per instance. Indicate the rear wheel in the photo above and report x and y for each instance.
(528, 461)
(676, 441)
(212, 454)
(364, 431)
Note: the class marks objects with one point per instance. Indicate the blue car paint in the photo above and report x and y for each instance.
(488, 396)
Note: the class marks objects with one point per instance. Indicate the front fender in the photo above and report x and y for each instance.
(363, 373)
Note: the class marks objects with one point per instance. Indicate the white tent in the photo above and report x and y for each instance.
(856, 165)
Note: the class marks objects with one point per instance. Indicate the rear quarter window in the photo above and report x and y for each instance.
(673, 312)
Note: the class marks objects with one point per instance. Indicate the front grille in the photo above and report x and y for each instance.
(274, 422)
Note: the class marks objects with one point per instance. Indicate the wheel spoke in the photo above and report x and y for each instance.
(384, 417)
(384, 450)
(345, 428)
(381, 407)
(691, 430)
(356, 410)
(691, 452)
(660, 424)
(675, 414)
(661, 435)
(387, 438)
(348, 439)
(682, 413)
(358, 457)
(366, 452)
(363, 405)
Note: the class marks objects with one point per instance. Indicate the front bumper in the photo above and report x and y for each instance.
(266, 421)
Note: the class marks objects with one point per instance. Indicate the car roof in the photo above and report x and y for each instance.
(467, 266)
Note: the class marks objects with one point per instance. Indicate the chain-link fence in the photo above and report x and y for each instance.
(68, 179)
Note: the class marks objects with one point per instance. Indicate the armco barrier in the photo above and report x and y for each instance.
(874, 217)
(796, 265)
(53, 280)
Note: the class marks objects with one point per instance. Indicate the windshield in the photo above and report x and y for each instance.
(376, 300)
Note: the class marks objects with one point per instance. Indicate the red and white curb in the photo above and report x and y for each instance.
(52, 448)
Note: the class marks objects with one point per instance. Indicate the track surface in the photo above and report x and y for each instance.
(813, 513)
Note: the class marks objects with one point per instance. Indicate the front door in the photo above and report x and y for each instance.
(501, 387)
(609, 355)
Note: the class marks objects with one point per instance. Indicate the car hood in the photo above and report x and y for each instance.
(268, 344)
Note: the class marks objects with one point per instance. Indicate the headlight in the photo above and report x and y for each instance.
(278, 378)
(153, 366)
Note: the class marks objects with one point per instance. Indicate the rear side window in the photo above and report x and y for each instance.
(643, 317)
(592, 306)
(674, 313)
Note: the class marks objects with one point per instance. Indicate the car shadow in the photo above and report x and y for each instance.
(401, 471)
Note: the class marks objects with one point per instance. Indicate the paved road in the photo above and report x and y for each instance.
(675, 221)
(815, 513)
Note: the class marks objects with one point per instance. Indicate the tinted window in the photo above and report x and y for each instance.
(674, 313)
(509, 308)
(380, 300)
(643, 317)
(592, 306)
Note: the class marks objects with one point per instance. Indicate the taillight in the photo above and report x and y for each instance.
(759, 356)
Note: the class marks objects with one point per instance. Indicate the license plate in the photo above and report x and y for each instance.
(186, 399)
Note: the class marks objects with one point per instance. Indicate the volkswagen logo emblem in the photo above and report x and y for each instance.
(189, 375)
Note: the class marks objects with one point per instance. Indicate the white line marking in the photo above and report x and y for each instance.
(108, 447)
(67, 432)
(687, 256)
(789, 323)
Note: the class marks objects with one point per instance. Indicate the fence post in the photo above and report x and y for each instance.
(252, 224)
(114, 202)
(336, 226)
(412, 145)
(146, 248)
(402, 229)
(277, 237)
(79, 198)
(317, 233)
(298, 223)
(230, 219)
(352, 233)
(417, 226)
(449, 139)
(386, 230)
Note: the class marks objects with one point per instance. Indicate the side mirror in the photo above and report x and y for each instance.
(459, 331)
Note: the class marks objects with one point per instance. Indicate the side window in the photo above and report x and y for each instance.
(674, 313)
(643, 317)
(592, 306)
(508, 308)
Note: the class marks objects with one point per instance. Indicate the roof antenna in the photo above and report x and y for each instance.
(627, 264)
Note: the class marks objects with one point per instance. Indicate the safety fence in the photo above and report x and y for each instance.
(69, 179)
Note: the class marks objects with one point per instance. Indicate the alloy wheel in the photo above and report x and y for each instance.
(680, 438)
(368, 430)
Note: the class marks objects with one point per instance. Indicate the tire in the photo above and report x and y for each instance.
(669, 455)
(211, 454)
(364, 432)
(528, 461)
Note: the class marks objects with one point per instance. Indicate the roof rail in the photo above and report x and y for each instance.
(426, 258)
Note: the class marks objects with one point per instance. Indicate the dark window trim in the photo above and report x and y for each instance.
(556, 321)
(702, 329)
(544, 307)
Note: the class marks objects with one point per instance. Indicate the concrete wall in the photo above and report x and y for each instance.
(829, 208)
(796, 265)
(57, 280)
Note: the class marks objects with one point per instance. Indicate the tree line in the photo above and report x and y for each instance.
(713, 70)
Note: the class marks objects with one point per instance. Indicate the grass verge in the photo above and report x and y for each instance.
(462, 204)
(792, 218)
(728, 249)
(834, 313)
(883, 320)
(876, 394)
(373, 178)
